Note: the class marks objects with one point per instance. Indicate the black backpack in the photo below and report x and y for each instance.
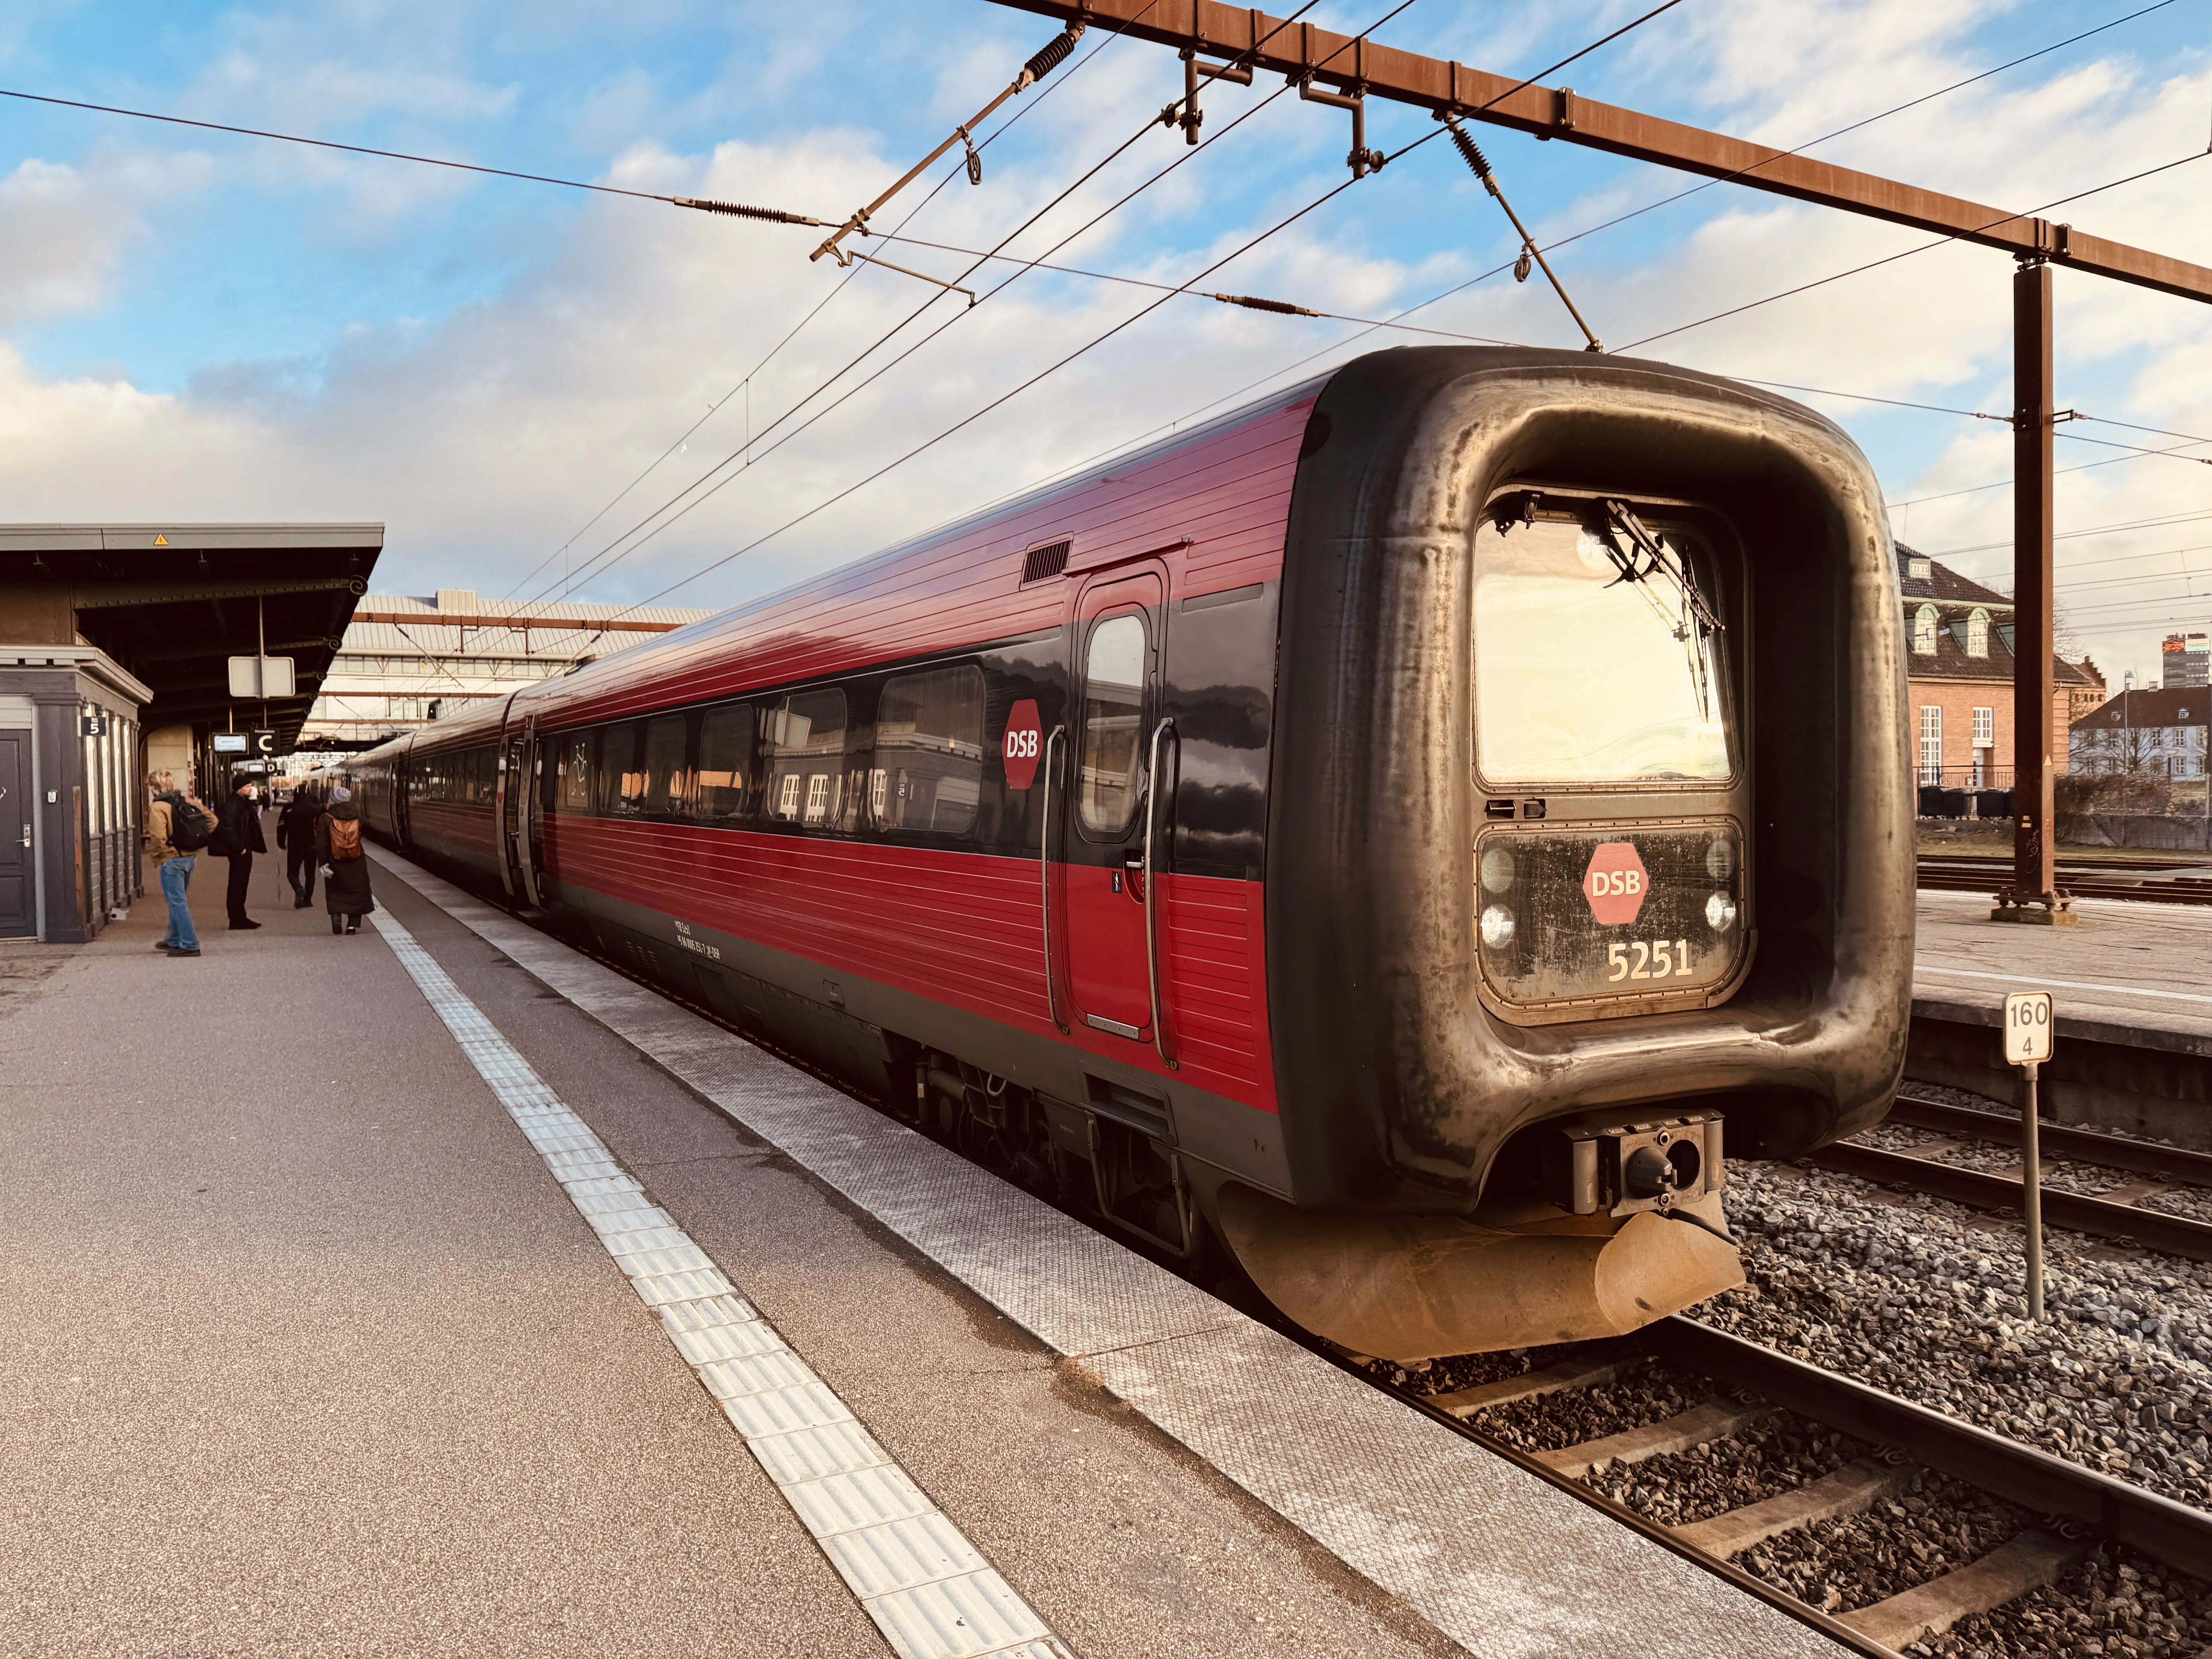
(190, 826)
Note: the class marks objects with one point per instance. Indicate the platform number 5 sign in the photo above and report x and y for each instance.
(2026, 1028)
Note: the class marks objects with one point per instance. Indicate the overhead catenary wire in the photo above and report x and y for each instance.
(607, 555)
(745, 381)
(612, 557)
(1055, 52)
(774, 216)
(1100, 339)
(1907, 253)
(1397, 318)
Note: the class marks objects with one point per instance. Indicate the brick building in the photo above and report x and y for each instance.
(1959, 636)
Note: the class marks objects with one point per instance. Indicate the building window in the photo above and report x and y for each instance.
(1931, 742)
(1923, 631)
(1978, 634)
(1986, 728)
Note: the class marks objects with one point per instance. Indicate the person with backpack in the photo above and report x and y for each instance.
(237, 838)
(345, 871)
(176, 830)
(296, 834)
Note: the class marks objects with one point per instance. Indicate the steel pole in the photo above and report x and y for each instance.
(2031, 1195)
(2033, 681)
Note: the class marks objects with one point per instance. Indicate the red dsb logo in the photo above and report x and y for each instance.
(1023, 740)
(1615, 883)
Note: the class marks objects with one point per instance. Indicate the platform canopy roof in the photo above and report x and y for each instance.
(173, 603)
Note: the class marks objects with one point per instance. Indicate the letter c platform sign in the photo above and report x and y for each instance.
(1023, 742)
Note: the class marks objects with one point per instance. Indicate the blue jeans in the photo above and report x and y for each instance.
(176, 876)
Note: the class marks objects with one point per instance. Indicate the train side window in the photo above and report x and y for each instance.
(668, 789)
(803, 755)
(726, 774)
(578, 762)
(1113, 718)
(620, 789)
(929, 752)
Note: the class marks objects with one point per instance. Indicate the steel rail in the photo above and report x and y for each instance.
(2176, 889)
(2172, 1531)
(2152, 1230)
(2174, 1164)
(1652, 1531)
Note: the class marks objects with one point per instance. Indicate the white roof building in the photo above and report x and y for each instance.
(406, 661)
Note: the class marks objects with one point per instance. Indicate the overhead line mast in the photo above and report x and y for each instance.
(1446, 88)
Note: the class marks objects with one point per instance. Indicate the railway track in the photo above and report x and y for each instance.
(2118, 879)
(2115, 1213)
(1834, 1469)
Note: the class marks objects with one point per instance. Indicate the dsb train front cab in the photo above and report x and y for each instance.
(1590, 846)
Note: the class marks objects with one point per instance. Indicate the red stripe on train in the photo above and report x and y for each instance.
(964, 929)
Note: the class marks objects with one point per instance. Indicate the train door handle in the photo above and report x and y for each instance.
(1044, 879)
(1151, 895)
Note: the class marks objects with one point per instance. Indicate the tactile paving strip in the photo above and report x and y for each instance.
(929, 1590)
(1505, 1564)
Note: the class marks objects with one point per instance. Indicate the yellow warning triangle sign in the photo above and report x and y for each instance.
(160, 541)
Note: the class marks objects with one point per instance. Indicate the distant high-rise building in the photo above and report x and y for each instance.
(2185, 661)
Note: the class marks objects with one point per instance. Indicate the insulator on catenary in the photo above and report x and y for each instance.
(1251, 302)
(740, 210)
(1473, 157)
(1055, 53)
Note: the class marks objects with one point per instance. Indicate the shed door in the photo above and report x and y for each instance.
(18, 916)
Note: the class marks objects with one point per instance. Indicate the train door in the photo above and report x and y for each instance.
(1116, 664)
(508, 808)
(533, 839)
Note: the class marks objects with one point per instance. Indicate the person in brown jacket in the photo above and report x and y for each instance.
(177, 827)
(345, 871)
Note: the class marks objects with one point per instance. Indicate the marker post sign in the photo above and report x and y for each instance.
(2028, 1045)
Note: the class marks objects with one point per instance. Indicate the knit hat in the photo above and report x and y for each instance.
(340, 794)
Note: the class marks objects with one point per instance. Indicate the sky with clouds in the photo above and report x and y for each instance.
(195, 325)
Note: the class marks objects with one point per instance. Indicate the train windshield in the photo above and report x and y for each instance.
(1598, 652)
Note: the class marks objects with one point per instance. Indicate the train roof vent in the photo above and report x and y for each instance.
(1050, 560)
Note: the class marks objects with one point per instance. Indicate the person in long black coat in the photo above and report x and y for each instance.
(238, 837)
(345, 880)
(296, 834)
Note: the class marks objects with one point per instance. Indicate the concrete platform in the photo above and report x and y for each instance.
(2131, 987)
(2124, 969)
(313, 1354)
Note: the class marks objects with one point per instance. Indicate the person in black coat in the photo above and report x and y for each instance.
(238, 837)
(296, 834)
(345, 879)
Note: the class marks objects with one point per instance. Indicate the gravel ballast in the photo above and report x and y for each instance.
(1926, 1300)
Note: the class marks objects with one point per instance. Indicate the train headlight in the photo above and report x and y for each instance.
(1720, 910)
(1720, 861)
(1497, 876)
(1497, 920)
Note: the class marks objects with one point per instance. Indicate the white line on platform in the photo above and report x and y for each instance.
(929, 1590)
(2062, 984)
